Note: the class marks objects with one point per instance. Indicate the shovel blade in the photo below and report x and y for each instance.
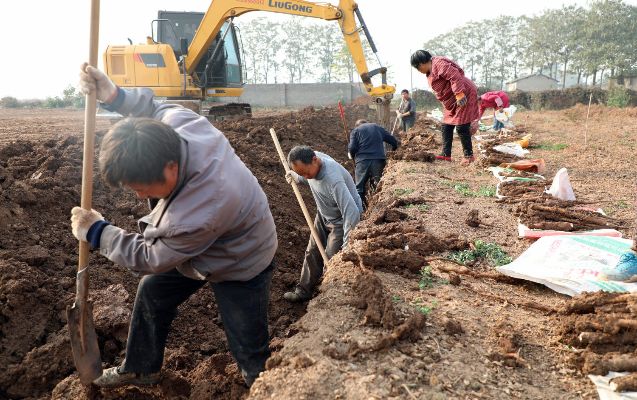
(86, 352)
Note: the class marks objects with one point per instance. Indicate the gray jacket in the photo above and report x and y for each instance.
(216, 225)
(335, 194)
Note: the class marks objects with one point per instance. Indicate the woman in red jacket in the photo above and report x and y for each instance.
(458, 95)
(496, 100)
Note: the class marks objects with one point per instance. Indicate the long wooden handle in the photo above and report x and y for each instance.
(89, 132)
(295, 187)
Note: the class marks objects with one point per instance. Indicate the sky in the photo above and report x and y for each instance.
(45, 41)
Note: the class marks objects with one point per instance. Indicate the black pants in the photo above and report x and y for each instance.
(243, 307)
(464, 131)
(367, 171)
(331, 237)
(406, 123)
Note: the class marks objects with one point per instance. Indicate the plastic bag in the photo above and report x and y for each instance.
(572, 264)
(561, 187)
(511, 148)
(505, 114)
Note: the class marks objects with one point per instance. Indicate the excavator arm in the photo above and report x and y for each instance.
(346, 14)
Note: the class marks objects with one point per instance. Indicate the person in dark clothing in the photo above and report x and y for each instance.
(366, 148)
(407, 111)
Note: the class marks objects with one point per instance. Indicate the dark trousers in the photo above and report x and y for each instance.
(368, 171)
(243, 307)
(464, 131)
(406, 123)
(332, 238)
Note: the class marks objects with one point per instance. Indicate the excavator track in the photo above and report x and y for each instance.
(229, 111)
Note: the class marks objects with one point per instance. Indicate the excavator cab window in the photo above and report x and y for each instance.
(175, 26)
(233, 61)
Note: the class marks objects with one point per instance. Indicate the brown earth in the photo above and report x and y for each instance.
(40, 177)
(379, 328)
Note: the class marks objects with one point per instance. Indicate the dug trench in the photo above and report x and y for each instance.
(40, 177)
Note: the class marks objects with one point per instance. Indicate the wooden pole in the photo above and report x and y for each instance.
(297, 193)
(590, 100)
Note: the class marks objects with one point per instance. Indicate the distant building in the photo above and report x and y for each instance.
(627, 81)
(532, 83)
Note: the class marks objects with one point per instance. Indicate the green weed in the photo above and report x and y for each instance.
(550, 146)
(427, 279)
(424, 309)
(422, 207)
(465, 190)
(490, 252)
(396, 299)
(402, 192)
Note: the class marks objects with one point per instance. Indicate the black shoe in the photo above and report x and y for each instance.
(296, 296)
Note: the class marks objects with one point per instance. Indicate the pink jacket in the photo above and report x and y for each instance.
(493, 100)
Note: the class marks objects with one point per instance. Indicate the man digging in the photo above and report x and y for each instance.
(367, 149)
(338, 206)
(210, 222)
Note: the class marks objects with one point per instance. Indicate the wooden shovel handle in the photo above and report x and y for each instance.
(89, 132)
(295, 187)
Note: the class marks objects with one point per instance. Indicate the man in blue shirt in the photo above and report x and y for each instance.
(367, 150)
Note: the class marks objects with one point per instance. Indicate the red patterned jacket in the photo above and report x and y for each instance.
(447, 80)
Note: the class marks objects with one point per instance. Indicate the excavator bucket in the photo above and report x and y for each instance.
(383, 112)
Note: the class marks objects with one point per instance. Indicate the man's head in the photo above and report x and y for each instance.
(421, 60)
(360, 122)
(303, 161)
(405, 94)
(143, 155)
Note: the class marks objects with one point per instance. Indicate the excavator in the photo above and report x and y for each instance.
(193, 57)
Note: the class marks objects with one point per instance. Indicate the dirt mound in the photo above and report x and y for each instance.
(39, 184)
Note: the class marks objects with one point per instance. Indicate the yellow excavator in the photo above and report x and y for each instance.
(193, 56)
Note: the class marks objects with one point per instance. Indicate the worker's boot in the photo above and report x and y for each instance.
(442, 157)
(297, 296)
(112, 377)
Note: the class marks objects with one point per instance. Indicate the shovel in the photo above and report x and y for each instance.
(86, 353)
(306, 213)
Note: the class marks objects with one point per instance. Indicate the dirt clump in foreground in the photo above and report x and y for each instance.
(40, 181)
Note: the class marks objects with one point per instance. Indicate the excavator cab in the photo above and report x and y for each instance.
(226, 70)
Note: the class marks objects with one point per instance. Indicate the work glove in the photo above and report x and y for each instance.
(291, 176)
(82, 220)
(461, 99)
(94, 80)
(398, 113)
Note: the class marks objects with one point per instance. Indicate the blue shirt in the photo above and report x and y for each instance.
(366, 142)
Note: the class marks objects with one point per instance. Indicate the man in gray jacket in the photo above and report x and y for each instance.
(210, 222)
(338, 206)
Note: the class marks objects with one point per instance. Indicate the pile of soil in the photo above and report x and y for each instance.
(40, 181)
(420, 142)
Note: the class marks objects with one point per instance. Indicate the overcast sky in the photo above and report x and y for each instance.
(45, 41)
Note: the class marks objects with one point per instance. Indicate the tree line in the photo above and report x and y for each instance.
(296, 51)
(590, 42)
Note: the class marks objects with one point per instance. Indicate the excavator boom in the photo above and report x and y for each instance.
(188, 73)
